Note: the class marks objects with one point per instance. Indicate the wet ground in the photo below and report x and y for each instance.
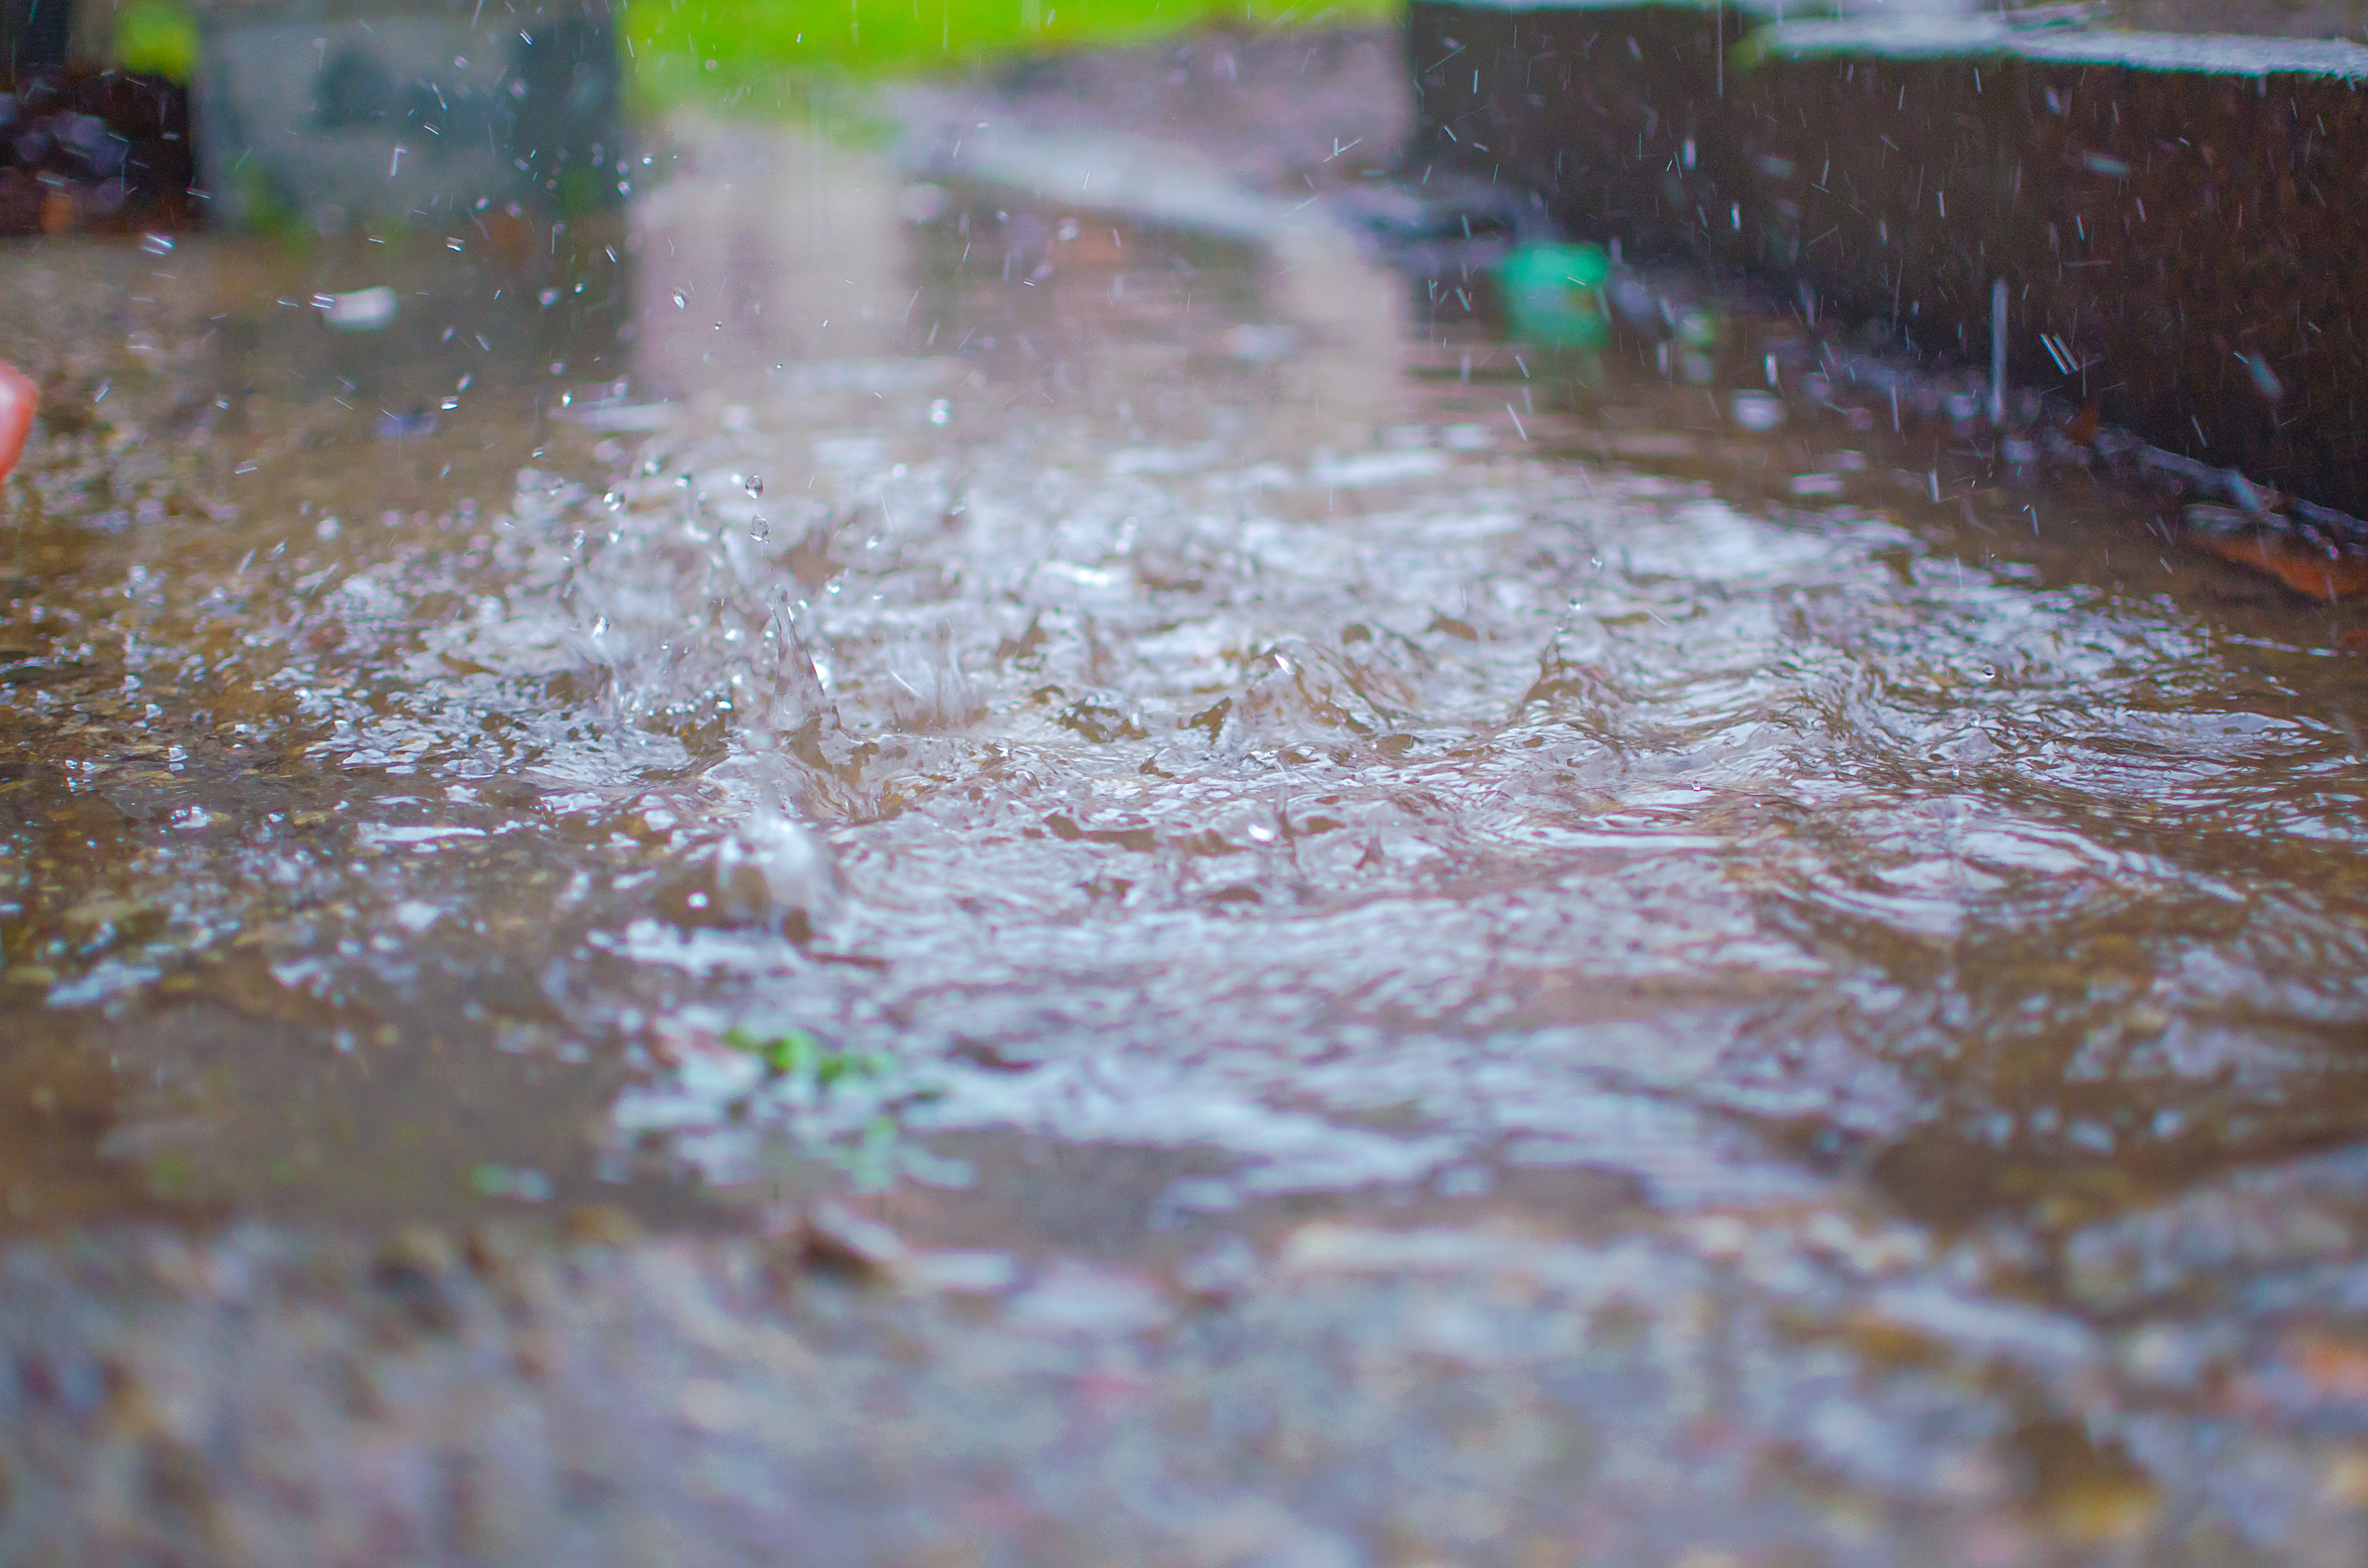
(1435, 954)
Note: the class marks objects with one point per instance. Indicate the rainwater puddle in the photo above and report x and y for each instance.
(1108, 739)
(1019, 676)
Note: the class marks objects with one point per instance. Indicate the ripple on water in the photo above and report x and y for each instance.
(1279, 755)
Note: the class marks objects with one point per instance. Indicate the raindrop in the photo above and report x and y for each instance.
(2265, 380)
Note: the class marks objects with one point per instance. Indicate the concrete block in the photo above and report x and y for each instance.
(345, 116)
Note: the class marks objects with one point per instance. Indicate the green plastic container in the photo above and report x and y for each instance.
(1553, 294)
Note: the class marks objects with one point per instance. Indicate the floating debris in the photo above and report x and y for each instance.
(795, 1054)
(364, 310)
(19, 399)
(2304, 559)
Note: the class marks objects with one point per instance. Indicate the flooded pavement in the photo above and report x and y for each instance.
(1435, 953)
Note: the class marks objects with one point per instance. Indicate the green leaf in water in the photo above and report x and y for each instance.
(794, 1053)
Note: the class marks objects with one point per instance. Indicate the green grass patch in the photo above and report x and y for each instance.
(738, 53)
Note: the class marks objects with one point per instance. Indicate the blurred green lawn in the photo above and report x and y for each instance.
(718, 50)
(702, 48)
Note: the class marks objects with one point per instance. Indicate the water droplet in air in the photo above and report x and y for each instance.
(1755, 411)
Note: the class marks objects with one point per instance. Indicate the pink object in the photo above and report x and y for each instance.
(17, 399)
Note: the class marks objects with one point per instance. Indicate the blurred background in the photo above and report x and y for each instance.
(329, 115)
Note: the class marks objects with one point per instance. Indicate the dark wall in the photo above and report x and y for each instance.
(1593, 109)
(33, 33)
(2190, 242)
(2182, 248)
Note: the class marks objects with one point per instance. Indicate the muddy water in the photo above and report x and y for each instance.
(1193, 735)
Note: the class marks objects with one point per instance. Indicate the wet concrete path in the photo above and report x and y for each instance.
(1810, 975)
